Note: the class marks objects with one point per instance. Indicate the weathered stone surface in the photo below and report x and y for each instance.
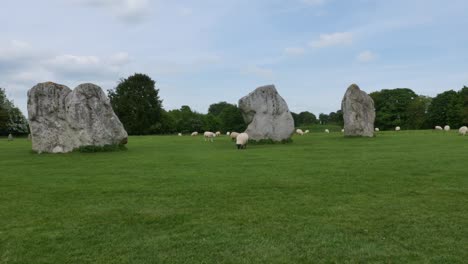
(358, 113)
(267, 114)
(62, 120)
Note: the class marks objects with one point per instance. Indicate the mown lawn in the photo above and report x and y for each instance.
(397, 198)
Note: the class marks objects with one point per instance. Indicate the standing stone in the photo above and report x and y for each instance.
(10, 137)
(358, 113)
(267, 115)
(62, 120)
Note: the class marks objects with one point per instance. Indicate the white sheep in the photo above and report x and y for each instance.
(209, 136)
(439, 128)
(397, 128)
(242, 140)
(180, 134)
(307, 132)
(234, 135)
(447, 128)
(377, 129)
(194, 134)
(342, 130)
(228, 133)
(300, 132)
(218, 133)
(463, 130)
(327, 131)
(10, 137)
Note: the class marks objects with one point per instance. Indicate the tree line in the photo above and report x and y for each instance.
(137, 103)
(11, 119)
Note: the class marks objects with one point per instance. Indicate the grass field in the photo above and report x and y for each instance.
(397, 198)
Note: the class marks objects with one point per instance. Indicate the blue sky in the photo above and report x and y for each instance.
(206, 51)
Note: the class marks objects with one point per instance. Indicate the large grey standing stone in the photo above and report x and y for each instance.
(358, 113)
(267, 114)
(62, 120)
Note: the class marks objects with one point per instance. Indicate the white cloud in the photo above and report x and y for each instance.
(294, 51)
(259, 71)
(131, 11)
(366, 56)
(334, 39)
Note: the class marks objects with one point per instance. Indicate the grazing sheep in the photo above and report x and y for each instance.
(234, 135)
(194, 134)
(307, 132)
(209, 136)
(439, 128)
(300, 132)
(228, 133)
(218, 134)
(397, 128)
(342, 130)
(463, 130)
(242, 140)
(447, 128)
(377, 129)
(327, 131)
(180, 134)
(10, 137)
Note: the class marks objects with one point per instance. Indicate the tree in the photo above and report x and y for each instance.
(323, 118)
(446, 109)
(136, 102)
(216, 109)
(391, 107)
(11, 118)
(417, 117)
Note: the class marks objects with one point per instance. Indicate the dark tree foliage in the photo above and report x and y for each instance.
(447, 108)
(11, 118)
(391, 107)
(324, 119)
(136, 102)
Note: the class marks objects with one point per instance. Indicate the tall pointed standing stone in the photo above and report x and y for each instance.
(358, 113)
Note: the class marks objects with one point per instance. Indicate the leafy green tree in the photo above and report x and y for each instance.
(217, 109)
(231, 119)
(11, 118)
(417, 117)
(136, 102)
(464, 109)
(324, 118)
(446, 109)
(391, 107)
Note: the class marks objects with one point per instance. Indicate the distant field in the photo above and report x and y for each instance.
(397, 198)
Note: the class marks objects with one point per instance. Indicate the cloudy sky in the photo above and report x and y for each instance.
(205, 51)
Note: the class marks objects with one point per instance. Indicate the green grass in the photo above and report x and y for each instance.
(397, 198)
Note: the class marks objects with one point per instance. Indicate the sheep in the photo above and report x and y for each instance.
(218, 134)
(342, 130)
(209, 136)
(194, 134)
(234, 135)
(300, 132)
(439, 128)
(180, 134)
(242, 140)
(228, 133)
(307, 132)
(377, 129)
(327, 131)
(447, 128)
(10, 137)
(463, 130)
(397, 128)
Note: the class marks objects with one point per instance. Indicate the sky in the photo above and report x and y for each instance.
(206, 51)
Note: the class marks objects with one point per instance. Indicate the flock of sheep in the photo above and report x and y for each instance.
(462, 131)
(241, 138)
